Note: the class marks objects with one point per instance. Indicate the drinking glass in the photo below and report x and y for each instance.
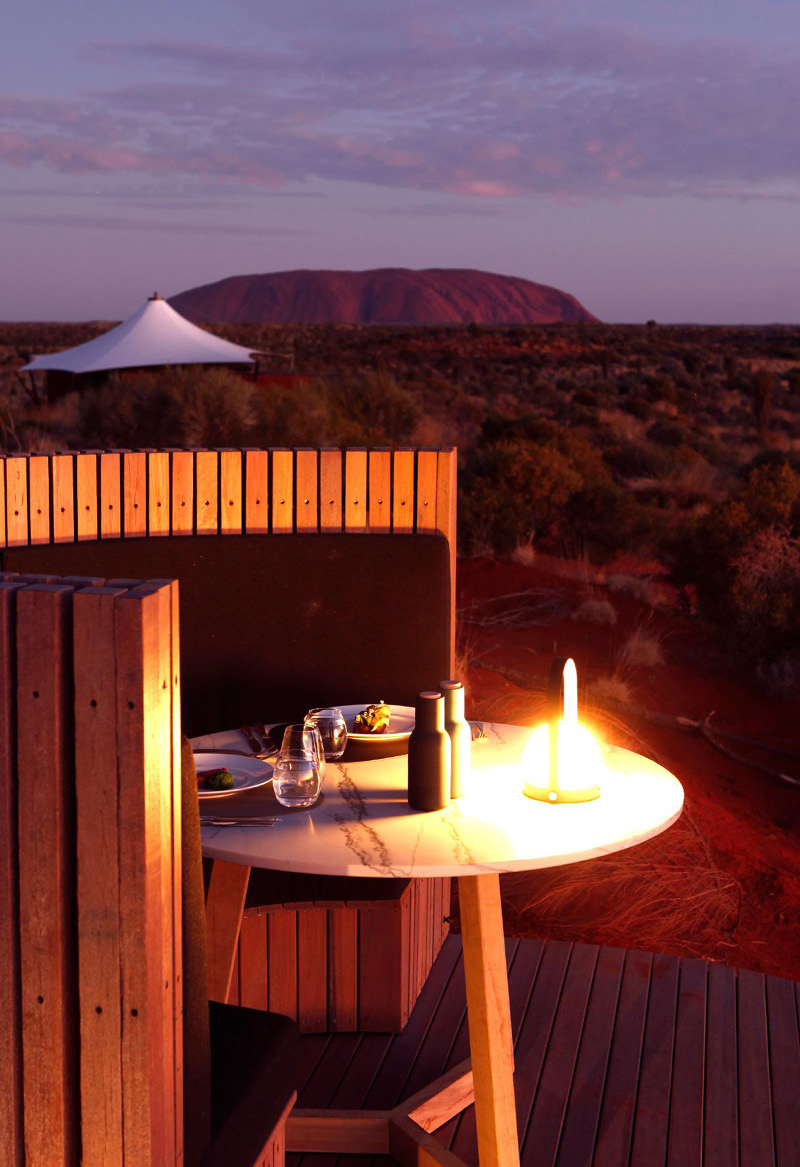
(298, 768)
(332, 729)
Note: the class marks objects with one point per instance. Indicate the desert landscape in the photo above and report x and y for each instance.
(628, 495)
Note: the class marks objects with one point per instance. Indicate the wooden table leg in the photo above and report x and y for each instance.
(224, 907)
(490, 1037)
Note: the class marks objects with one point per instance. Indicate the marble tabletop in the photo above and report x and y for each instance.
(363, 826)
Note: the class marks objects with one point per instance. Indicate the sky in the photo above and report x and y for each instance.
(642, 155)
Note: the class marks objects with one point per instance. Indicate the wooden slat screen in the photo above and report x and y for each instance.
(89, 939)
(135, 493)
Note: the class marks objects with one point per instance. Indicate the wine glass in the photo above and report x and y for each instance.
(298, 769)
(332, 729)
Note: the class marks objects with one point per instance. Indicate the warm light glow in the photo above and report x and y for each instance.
(579, 757)
(573, 774)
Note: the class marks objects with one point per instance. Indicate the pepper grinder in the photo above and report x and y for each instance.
(429, 755)
(460, 734)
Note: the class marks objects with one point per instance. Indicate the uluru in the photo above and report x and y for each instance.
(381, 296)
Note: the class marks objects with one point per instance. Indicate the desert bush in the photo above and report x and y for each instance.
(511, 493)
(668, 432)
(765, 595)
(641, 590)
(204, 406)
(592, 611)
(639, 460)
(642, 649)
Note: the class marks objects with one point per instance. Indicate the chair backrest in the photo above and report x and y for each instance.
(357, 605)
(90, 897)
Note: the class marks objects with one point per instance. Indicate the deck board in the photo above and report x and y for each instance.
(623, 1059)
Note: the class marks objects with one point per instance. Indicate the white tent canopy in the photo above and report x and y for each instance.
(155, 335)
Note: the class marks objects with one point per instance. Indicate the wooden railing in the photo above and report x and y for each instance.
(67, 497)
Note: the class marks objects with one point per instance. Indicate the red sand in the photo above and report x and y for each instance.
(746, 822)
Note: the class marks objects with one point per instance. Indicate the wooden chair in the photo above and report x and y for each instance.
(95, 997)
(312, 558)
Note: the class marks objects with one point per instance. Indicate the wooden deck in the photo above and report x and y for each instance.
(623, 1059)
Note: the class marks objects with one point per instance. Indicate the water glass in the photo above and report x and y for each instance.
(298, 770)
(332, 729)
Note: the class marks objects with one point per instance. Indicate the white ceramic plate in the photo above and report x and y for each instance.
(247, 772)
(401, 723)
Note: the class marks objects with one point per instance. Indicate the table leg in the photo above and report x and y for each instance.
(490, 1037)
(224, 907)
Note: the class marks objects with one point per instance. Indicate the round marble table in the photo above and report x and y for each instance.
(363, 826)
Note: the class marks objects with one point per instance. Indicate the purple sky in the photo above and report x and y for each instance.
(643, 155)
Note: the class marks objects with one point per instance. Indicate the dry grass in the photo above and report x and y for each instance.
(668, 893)
(600, 612)
(610, 689)
(641, 590)
(642, 649)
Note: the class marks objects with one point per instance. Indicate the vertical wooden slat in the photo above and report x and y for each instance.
(207, 492)
(39, 497)
(619, 1095)
(224, 907)
(282, 961)
(652, 1101)
(380, 492)
(784, 1056)
(17, 500)
(3, 471)
(721, 1119)
(342, 969)
(110, 495)
(158, 493)
(134, 490)
(142, 629)
(685, 1139)
(330, 490)
(427, 474)
(182, 492)
(11, 1139)
(86, 493)
(757, 1146)
(253, 984)
(46, 877)
(312, 969)
(355, 490)
(307, 492)
(177, 862)
(63, 472)
(282, 491)
(379, 969)
(230, 478)
(403, 492)
(257, 492)
(446, 525)
(98, 874)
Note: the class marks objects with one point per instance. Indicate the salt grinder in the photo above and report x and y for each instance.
(460, 735)
(429, 753)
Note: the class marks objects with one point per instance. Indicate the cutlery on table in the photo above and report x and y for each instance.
(212, 821)
(479, 734)
(238, 753)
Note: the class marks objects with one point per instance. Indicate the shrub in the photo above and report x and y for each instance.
(642, 649)
(765, 595)
(599, 612)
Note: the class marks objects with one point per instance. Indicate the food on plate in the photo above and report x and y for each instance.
(373, 719)
(219, 779)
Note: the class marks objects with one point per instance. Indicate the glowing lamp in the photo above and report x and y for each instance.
(562, 760)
